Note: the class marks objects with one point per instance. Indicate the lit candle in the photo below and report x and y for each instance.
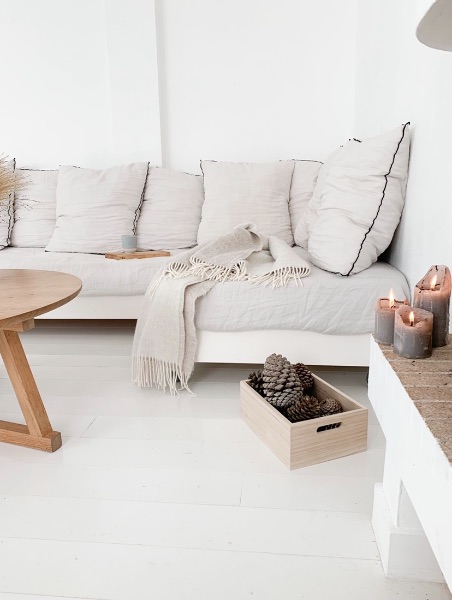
(413, 332)
(384, 319)
(433, 293)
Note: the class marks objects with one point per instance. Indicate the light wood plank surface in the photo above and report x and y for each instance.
(177, 497)
(23, 382)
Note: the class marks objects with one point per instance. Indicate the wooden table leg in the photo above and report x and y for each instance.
(37, 433)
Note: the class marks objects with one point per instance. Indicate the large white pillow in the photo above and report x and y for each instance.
(361, 203)
(7, 211)
(35, 209)
(238, 193)
(95, 208)
(309, 215)
(304, 180)
(171, 210)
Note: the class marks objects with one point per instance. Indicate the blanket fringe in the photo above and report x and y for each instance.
(153, 372)
(154, 285)
(177, 270)
(210, 272)
(280, 277)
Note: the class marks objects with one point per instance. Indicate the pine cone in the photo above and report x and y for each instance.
(308, 407)
(305, 377)
(281, 384)
(329, 406)
(256, 381)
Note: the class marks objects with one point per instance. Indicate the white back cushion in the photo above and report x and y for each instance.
(304, 180)
(95, 208)
(361, 203)
(238, 193)
(305, 224)
(171, 210)
(35, 209)
(7, 212)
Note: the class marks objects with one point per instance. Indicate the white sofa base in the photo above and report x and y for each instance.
(99, 307)
(235, 346)
(298, 346)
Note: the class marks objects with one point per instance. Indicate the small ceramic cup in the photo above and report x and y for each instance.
(129, 243)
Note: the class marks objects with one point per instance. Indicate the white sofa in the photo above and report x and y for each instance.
(326, 321)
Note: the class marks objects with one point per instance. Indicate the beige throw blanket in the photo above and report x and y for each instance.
(164, 345)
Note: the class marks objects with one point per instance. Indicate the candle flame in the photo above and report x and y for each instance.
(433, 283)
(391, 299)
(411, 318)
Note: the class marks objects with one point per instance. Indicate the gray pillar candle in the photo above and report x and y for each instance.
(413, 332)
(432, 293)
(384, 319)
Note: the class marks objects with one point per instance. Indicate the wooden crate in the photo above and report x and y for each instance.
(308, 442)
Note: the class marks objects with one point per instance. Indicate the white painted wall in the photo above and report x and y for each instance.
(133, 80)
(238, 80)
(79, 82)
(399, 79)
(249, 80)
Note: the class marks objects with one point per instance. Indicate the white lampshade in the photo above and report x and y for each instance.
(435, 28)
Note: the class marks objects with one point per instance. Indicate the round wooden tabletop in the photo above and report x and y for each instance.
(26, 293)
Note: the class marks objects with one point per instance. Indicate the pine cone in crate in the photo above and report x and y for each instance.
(330, 406)
(305, 377)
(281, 383)
(256, 381)
(308, 407)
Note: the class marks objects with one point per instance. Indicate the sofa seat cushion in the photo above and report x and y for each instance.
(100, 276)
(326, 303)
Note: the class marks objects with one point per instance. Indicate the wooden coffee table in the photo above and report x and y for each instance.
(25, 294)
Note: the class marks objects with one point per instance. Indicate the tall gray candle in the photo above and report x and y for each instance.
(413, 332)
(384, 319)
(433, 293)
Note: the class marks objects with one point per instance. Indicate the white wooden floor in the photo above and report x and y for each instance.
(153, 497)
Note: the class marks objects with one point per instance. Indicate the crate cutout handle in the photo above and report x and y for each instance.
(331, 426)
